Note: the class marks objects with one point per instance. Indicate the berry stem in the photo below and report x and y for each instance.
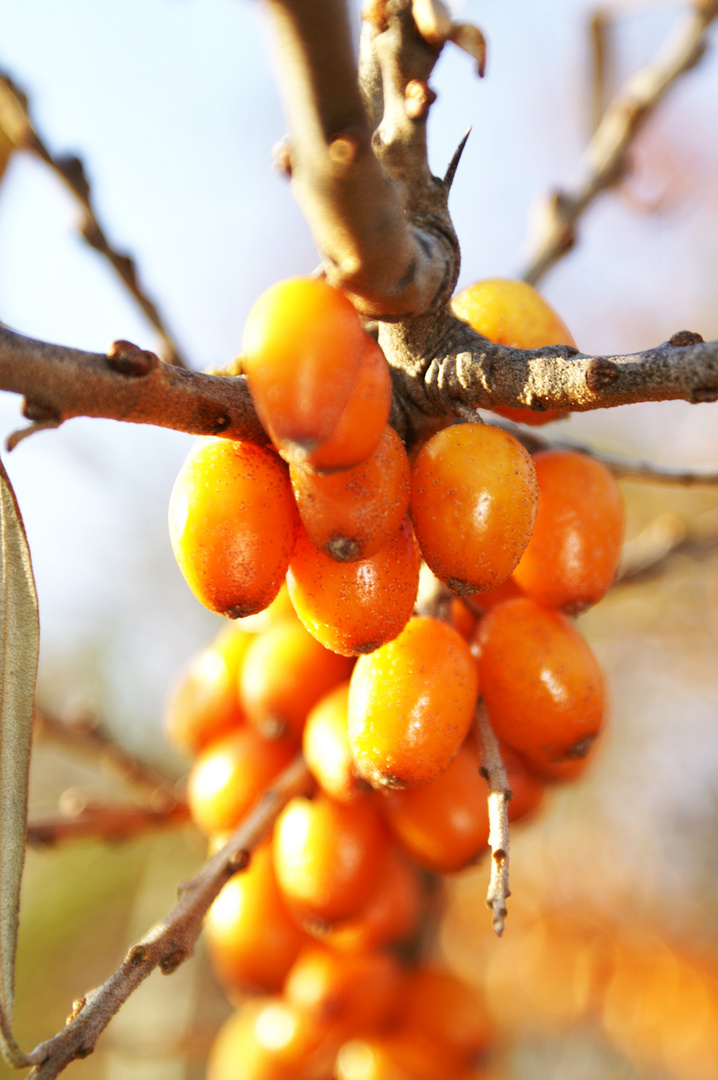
(493, 770)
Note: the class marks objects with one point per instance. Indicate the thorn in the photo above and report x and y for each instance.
(454, 163)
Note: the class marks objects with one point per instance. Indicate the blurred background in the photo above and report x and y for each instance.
(171, 105)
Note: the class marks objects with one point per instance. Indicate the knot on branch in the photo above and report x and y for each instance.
(129, 359)
(601, 373)
(418, 98)
(685, 337)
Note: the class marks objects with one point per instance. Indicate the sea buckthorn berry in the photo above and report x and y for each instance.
(391, 914)
(233, 523)
(329, 856)
(269, 1039)
(363, 418)
(473, 503)
(203, 703)
(352, 514)
(572, 557)
(410, 705)
(280, 608)
(326, 749)
(285, 672)
(513, 313)
(344, 993)
(354, 608)
(443, 825)
(230, 775)
(447, 1012)
(303, 347)
(372, 1059)
(540, 682)
(252, 938)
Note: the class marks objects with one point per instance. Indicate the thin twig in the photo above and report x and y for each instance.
(103, 821)
(16, 122)
(603, 164)
(492, 768)
(623, 468)
(667, 535)
(172, 941)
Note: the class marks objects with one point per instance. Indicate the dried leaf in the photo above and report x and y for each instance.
(19, 644)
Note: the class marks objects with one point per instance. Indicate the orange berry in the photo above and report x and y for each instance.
(344, 993)
(230, 775)
(352, 514)
(572, 557)
(513, 313)
(252, 939)
(326, 749)
(443, 825)
(390, 915)
(329, 856)
(410, 705)
(285, 672)
(363, 418)
(203, 702)
(540, 682)
(447, 1012)
(527, 787)
(303, 347)
(354, 608)
(269, 1039)
(473, 503)
(233, 523)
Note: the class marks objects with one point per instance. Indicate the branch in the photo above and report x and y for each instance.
(126, 384)
(16, 122)
(604, 161)
(381, 222)
(469, 372)
(668, 534)
(492, 768)
(171, 942)
(102, 821)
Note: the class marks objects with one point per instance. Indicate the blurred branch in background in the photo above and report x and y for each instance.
(17, 132)
(552, 233)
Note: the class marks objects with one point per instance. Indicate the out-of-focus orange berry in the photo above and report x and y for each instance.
(540, 682)
(572, 557)
(270, 1040)
(285, 672)
(352, 514)
(410, 705)
(473, 503)
(447, 1011)
(355, 607)
(444, 825)
(390, 915)
(253, 940)
(527, 787)
(325, 744)
(233, 523)
(303, 347)
(329, 856)
(513, 313)
(203, 703)
(280, 608)
(345, 993)
(230, 775)
(363, 418)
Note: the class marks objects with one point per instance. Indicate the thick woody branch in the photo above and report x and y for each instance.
(169, 943)
(390, 264)
(126, 384)
(604, 161)
(468, 372)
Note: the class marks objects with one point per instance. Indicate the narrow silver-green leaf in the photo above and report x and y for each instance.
(19, 644)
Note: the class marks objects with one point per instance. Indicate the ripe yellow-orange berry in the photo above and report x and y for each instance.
(233, 523)
(473, 504)
(410, 705)
(303, 347)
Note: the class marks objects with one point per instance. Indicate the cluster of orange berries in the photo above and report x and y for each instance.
(336, 509)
